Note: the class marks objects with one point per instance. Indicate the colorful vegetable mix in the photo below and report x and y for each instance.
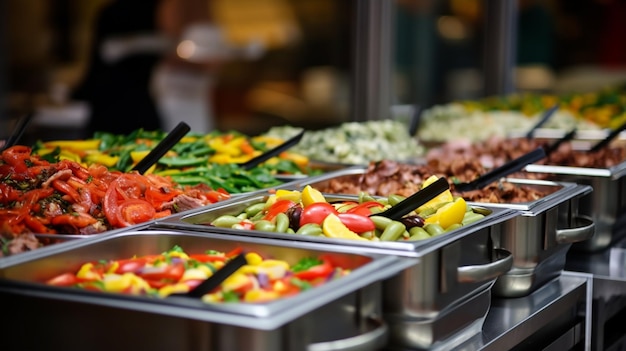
(210, 159)
(309, 213)
(175, 271)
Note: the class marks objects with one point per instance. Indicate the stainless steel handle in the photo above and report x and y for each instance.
(373, 339)
(584, 230)
(479, 273)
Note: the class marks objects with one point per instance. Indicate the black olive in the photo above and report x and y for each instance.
(412, 221)
(294, 213)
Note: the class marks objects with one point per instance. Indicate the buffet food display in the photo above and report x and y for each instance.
(81, 229)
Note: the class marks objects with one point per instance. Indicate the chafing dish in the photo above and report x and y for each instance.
(606, 205)
(343, 314)
(442, 298)
(539, 239)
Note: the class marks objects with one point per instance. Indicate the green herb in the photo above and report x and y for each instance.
(230, 296)
(306, 263)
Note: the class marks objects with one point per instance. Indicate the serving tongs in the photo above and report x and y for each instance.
(546, 116)
(217, 278)
(162, 148)
(604, 142)
(18, 130)
(255, 161)
(416, 200)
(554, 146)
(502, 171)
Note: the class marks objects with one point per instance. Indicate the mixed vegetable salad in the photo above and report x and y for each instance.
(308, 212)
(210, 159)
(177, 272)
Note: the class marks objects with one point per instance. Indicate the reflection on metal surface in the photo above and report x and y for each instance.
(617, 262)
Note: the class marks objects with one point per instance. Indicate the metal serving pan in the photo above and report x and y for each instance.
(427, 304)
(606, 205)
(538, 239)
(343, 314)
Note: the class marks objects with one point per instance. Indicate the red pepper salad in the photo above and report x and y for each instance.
(174, 271)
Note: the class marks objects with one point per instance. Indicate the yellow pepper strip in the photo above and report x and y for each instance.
(101, 159)
(86, 144)
(259, 295)
(180, 288)
(137, 156)
(86, 272)
(300, 160)
(293, 195)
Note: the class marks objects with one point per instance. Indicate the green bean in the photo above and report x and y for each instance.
(394, 199)
(381, 222)
(434, 229)
(242, 216)
(471, 217)
(393, 231)
(252, 210)
(282, 222)
(427, 212)
(290, 231)
(418, 231)
(453, 227)
(369, 235)
(312, 229)
(364, 197)
(265, 226)
(226, 221)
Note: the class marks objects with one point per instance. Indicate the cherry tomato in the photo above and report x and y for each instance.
(280, 206)
(356, 222)
(316, 213)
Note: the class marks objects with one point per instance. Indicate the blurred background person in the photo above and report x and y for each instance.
(126, 48)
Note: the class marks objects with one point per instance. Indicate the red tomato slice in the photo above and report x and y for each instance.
(171, 272)
(131, 265)
(207, 257)
(280, 206)
(65, 279)
(356, 222)
(316, 213)
(320, 271)
(364, 208)
(134, 211)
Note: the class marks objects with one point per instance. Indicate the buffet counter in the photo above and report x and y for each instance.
(548, 319)
(608, 269)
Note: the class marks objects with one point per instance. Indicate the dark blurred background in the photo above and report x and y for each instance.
(275, 62)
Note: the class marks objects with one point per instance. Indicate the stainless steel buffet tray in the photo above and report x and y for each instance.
(606, 205)
(538, 239)
(338, 315)
(426, 299)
